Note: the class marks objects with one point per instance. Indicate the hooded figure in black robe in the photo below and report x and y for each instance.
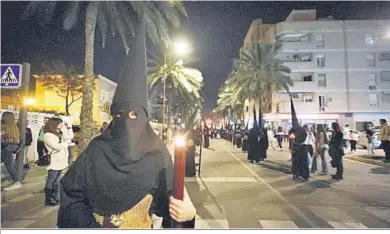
(206, 137)
(253, 142)
(192, 142)
(125, 172)
(263, 144)
(238, 139)
(300, 164)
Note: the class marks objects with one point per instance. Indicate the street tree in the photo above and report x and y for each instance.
(109, 16)
(64, 80)
(257, 74)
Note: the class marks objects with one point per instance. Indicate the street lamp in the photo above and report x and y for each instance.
(180, 48)
(29, 101)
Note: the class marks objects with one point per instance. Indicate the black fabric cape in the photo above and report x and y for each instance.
(300, 162)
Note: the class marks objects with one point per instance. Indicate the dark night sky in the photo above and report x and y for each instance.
(218, 30)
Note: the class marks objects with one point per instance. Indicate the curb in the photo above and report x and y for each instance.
(28, 188)
(368, 161)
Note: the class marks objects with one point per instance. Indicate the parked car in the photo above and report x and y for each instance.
(362, 141)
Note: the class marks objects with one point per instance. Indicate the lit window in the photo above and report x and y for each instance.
(320, 60)
(384, 55)
(373, 99)
(320, 40)
(321, 80)
(369, 39)
(372, 81)
(370, 59)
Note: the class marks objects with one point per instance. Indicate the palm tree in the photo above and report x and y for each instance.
(257, 74)
(121, 17)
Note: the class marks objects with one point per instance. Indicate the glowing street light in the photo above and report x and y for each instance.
(181, 48)
(29, 101)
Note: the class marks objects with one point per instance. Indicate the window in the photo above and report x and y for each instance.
(369, 39)
(323, 102)
(373, 99)
(321, 80)
(320, 40)
(103, 96)
(386, 97)
(308, 78)
(384, 55)
(297, 97)
(307, 98)
(370, 59)
(372, 81)
(385, 76)
(320, 60)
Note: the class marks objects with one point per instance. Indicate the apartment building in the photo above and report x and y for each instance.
(341, 70)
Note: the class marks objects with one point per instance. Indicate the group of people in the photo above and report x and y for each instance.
(54, 141)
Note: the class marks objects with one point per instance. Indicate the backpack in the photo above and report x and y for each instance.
(29, 139)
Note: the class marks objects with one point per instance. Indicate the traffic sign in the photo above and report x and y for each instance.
(11, 76)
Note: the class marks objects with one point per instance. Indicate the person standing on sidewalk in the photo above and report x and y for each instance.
(370, 142)
(27, 145)
(310, 142)
(346, 138)
(279, 137)
(11, 142)
(253, 141)
(321, 149)
(169, 135)
(68, 136)
(384, 137)
(336, 151)
(40, 144)
(353, 138)
(58, 151)
(300, 164)
(271, 138)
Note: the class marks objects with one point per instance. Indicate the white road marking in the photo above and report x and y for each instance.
(354, 161)
(277, 224)
(221, 179)
(211, 223)
(380, 212)
(41, 213)
(347, 225)
(23, 223)
(297, 211)
(21, 198)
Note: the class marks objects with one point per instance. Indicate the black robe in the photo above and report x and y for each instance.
(238, 140)
(190, 159)
(253, 143)
(263, 145)
(206, 138)
(336, 150)
(300, 163)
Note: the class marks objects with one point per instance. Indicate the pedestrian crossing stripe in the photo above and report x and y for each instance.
(8, 77)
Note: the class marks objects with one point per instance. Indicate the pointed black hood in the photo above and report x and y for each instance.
(294, 118)
(132, 85)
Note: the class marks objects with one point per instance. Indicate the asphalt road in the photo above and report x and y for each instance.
(233, 193)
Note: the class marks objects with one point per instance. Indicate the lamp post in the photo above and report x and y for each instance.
(181, 48)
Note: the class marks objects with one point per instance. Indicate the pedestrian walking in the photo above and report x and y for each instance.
(336, 151)
(68, 137)
(11, 143)
(346, 142)
(279, 137)
(41, 150)
(58, 150)
(321, 149)
(370, 142)
(263, 145)
(300, 164)
(353, 138)
(271, 138)
(169, 136)
(27, 144)
(310, 142)
(245, 145)
(384, 137)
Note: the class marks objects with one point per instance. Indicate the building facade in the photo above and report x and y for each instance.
(103, 93)
(340, 69)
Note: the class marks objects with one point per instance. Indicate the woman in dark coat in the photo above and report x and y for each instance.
(336, 151)
(263, 145)
(300, 164)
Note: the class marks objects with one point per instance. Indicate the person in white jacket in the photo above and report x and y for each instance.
(58, 151)
(68, 136)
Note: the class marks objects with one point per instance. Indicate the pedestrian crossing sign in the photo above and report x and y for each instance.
(11, 76)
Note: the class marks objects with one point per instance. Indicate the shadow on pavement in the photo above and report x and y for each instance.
(276, 166)
(380, 171)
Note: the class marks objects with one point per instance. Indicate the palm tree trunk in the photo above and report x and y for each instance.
(86, 115)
